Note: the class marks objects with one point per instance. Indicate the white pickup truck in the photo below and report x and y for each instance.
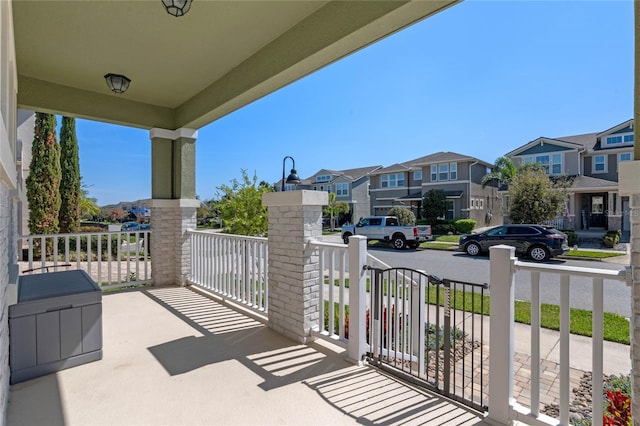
(387, 229)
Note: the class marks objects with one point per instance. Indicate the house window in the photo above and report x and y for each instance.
(481, 206)
(328, 188)
(417, 175)
(599, 163)
(443, 171)
(289, 187)
(434, 173)
(323, 178)
(556, 164)
(453, 171)
(611, 140)
(342, 189)
(394, 180)
(628, 138)
(624, 156)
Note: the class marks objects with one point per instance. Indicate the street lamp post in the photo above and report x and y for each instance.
(293, 176)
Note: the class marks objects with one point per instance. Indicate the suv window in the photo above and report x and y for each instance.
(500, 230)
(522, 230)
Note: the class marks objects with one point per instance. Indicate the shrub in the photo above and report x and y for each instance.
(443, 229)
(611, 238)
(464, 226)
(572, 237)
(404, 215)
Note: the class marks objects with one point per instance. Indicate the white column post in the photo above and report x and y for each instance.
(357, 298)
(174, 204)
(629, 185)
(501, 290)
(295, 218)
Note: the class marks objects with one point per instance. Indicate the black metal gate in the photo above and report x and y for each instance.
(429, 331)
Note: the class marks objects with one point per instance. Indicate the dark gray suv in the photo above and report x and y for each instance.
(535, 241)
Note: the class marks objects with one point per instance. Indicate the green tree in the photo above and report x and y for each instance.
(533, 197)
(43, 182)
(88, 206)
(70, 195)
(503, 171)
(434, 205)
(241, 207)
(404, 215)
(334, 208)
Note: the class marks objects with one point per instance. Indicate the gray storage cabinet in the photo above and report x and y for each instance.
(56, 324)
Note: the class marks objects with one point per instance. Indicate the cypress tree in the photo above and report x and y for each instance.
(43, 182)
(69, 216)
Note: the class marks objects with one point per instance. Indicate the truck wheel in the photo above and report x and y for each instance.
(399, 242)
(345, 237)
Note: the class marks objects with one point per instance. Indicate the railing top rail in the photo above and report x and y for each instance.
(318, 243)
(223, 235)
(616, 274)
(82, 234)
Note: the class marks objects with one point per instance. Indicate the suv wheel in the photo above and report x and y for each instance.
(472, 249)
(539, 254)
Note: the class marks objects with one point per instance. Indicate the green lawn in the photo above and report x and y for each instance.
(616, 327)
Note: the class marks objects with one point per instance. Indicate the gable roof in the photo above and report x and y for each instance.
(438, 157)
(568, 142)
(351, 174)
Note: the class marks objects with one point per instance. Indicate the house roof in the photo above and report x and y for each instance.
(587, 182)
(590, 141)
(350, 174)
(438, 157)
(570, 142)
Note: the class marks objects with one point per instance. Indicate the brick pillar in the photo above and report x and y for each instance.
(295, 218)
(629, 185)
(170, 251)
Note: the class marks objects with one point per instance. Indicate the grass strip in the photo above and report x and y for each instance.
(615, 327)
(593, 254)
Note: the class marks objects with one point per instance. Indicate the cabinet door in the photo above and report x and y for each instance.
(48, 337)
(70, 332)
(22, 334)
(92, 327)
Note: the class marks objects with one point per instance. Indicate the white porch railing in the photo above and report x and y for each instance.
(502, 407)
(233, 267)
(337, 286)
(112, 259)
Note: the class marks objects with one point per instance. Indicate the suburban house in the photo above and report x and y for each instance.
(350, 186)
(591, 162)
(459, 176)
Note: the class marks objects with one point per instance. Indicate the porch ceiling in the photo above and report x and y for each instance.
(188, 71)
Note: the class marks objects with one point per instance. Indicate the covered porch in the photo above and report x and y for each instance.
(174, 356)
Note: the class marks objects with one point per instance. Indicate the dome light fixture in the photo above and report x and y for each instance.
(117, 83)
(177, 7)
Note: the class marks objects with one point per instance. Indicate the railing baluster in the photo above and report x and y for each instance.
(535, 343)
(597, 350)
(564, 349)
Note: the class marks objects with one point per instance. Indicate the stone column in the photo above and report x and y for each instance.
(173, 205)
(629, 185)
(295, 218)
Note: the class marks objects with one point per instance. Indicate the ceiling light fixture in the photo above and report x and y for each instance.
(117, 83)
(177, 7)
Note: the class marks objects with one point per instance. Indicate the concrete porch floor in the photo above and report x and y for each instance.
(173, 356)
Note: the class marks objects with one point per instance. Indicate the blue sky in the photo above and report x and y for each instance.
(479, 79)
